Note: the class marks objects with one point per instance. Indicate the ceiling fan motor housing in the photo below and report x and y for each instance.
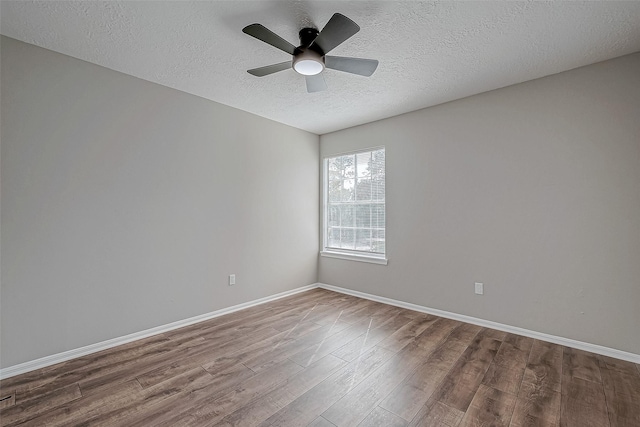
(307, 36)
(308, 59)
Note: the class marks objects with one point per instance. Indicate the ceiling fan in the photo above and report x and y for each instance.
(310, 58)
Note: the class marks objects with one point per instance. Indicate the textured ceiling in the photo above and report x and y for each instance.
(429, 52)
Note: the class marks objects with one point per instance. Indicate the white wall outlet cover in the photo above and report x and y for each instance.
(479, 288)
(232, 279)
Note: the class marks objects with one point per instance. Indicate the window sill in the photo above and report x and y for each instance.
(353, 257)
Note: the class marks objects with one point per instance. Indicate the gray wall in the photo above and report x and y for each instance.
(126, 204)
(533, 189)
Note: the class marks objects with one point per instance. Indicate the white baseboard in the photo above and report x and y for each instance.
(598, 349)
(93, 348)
(53, 359)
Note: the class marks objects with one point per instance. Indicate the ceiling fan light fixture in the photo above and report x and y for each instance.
(308, 67)
(308, 62)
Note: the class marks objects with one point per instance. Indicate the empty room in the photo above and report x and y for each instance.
(320, 213)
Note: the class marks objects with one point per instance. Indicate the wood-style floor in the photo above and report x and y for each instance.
(325, 359)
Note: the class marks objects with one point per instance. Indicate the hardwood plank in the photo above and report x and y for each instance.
(107, 368)
(341, 312)
(495, 334)
(314, 402)
(622, 391)
(218, 385)
(355, 406)
(300, 329)
(507, 369)
(463, 333)
(293, 325)
(328, 345)
(382, 418)
(583, 403)
(407, 333)
(7, 399)
(544, 368)
(45, 380)
(581, 364)
(76, 409)
(372, 309)
(414, 392)
(462, 382)
(520, 342)
(148, 398)
(290, 316)
(223, 356)
(36, 406)
(536, 405)
(265, 359)
(435, 413)
(622, 366)
(154, 373)
(255, 349)
(622, 383)
(210, 410)
(489, 407)
(267, 405)
(113, 374)
(372, 337)
(320, 422)
(325, 313)
(381, 318)
(197, 406)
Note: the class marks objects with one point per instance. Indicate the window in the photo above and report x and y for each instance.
(354, 206)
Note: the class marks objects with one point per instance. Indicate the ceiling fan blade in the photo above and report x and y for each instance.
(363, 67)
(269, 69)
(316, 83)
(266, 35)
(338, 29)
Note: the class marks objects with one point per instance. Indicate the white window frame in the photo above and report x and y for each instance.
(348, 254)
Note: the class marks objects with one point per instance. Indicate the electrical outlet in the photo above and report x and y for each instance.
(479, 288)
(232, 279)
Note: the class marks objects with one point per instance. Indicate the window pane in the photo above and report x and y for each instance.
(349, 166)
(377, 242)
(333, 216)
(363, 215)
(363, 161)
(341, 167)
(335, 190)
(347, 238)
(363, 240)
(347, 191)
(377, 216)
(377, 189)
(334, 164)
(363, 189)
(333, 239)
(347, 217)
(378, 174)
(377, 164)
